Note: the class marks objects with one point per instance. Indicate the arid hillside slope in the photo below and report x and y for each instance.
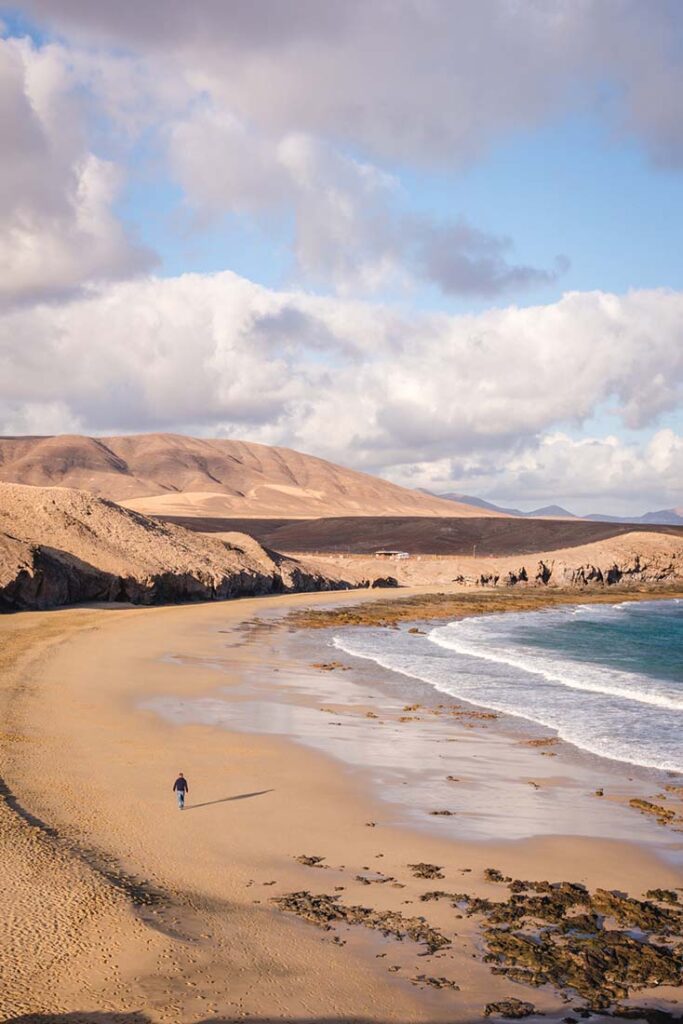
(61, 546)
(169, 474)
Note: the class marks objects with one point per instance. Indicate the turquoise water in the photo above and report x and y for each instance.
(608, 678)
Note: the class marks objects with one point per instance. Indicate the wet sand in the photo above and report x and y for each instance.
(499, 776)
(117, 902)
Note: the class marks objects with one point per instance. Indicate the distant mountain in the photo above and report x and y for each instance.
(174, 475)
(547, 512)
(550, 511)
(468, 499)
(665, 517)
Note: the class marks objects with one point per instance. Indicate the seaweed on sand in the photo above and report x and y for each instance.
(602, 945)
(325, 910)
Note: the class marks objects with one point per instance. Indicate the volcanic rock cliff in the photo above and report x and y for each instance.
(61, 546)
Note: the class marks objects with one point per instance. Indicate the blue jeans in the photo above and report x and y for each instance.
(180, 794)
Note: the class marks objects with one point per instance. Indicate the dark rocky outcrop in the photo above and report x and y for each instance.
(423, 870)
(637, 569)
(584, 575)
(516, 576)
(594, 947)
(494, 875)
(438, 983)
(310, 861)
(544, 573)
(649, 1014)
(56, 578)
(664, 815)
(384, 582)
(603, 946)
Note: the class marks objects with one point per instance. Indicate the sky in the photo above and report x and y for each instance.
(435, 240)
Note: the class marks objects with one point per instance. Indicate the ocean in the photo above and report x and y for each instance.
(606, 678)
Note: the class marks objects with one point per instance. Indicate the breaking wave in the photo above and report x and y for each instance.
(607, 678)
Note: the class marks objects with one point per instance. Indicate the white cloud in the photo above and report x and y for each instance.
(420, 398)
(426, 82)
(352, 229)
(291, 112)
(587, 475)
(57, 227)
(297, 109)
(350, 223)
(648, 473)
(222, 164)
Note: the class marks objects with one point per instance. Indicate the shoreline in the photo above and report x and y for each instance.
(513, 717)
(263, 801)
(380, 710)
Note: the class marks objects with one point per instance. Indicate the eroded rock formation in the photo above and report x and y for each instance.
(60, 546)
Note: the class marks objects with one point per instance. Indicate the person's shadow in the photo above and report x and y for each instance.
(228, 799)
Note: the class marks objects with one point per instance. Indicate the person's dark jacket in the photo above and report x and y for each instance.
(181, 784)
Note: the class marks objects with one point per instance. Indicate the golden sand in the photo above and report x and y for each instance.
(114, 902)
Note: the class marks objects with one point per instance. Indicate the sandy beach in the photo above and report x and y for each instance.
(341, 479)
(119, 908)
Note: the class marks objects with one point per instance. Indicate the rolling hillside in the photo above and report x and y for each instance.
(173, 475)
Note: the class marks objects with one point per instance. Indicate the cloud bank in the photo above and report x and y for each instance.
(57, 227)
(305, 119)
(410, 80)
(359, 383)
(301, 110)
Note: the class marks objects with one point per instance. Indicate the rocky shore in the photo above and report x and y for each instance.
(421, 607)
(633, 569)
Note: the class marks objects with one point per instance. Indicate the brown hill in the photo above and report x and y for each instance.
(61, 546)
(173, 475)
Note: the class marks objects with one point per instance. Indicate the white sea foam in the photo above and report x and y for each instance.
(490, 661)
(471, 636)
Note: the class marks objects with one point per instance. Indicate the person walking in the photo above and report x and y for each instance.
(180, 788)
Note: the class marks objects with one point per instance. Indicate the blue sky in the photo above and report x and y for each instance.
(409, 199)
(572, 186)
(569, 188)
